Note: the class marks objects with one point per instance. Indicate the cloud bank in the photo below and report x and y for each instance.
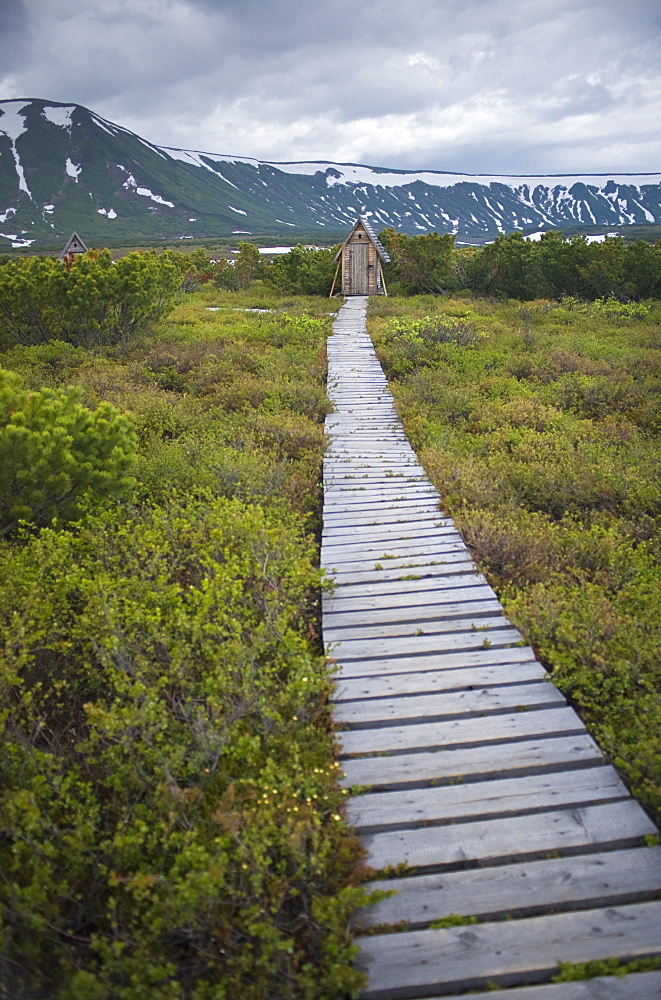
(537, 86)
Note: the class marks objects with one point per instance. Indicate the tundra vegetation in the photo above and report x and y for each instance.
(539, 424)
(170, 815)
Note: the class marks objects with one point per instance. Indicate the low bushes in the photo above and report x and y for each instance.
(170, 817)
(93, 301)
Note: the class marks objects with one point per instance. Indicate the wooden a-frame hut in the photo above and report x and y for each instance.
(74, 245)
(360, 260)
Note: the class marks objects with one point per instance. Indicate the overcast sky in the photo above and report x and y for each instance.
(484, 86)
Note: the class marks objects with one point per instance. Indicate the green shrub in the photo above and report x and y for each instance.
(170, 821)
(94, 301)
(53, 451)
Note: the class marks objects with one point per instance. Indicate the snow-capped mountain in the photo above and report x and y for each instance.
(64, 168)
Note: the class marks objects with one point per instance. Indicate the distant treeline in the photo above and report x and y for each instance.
(511, 267)
(99, 301)
(515, 267)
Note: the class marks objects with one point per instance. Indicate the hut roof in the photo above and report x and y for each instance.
(74, 245)
(380, 249)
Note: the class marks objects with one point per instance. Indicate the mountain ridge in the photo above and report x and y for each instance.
(65, 168)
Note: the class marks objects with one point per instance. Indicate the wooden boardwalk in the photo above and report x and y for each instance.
(472, 769)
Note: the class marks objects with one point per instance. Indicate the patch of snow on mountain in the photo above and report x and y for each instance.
(59, 116)
(12, 123)
(110, 213)
(73, 169)
(98, 121)
(239, 211)
(151, 146)
(131, 184)
(7, 212)
(49, 208)
(283, 223)
(648, 215)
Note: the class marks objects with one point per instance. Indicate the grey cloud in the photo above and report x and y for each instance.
(451, 84)
(13, 33)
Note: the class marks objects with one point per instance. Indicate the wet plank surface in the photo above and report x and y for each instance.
(465, 762)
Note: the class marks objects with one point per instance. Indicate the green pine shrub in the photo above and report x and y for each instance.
(93, 301)
(54, 451)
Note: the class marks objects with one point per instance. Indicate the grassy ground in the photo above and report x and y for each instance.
(539, 424)
(171, 823)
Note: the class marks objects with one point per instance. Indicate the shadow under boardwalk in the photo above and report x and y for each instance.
(516, 845)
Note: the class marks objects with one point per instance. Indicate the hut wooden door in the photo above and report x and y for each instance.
(359, 269)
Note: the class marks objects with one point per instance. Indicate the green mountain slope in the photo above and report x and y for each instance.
(63, 168)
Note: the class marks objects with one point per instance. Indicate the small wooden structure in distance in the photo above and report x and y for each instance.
(361, 257)
(74, 245)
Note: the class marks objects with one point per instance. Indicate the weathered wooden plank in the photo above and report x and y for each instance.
(414, 807)
(360, 489)
(360, 503)
(529, 887)
(436, 661)
(371, 538)
(373, 475)
(415, 963)
(372, 482)
(432, 682)
(635, 986)
(565, 830)
(454, 562)
(430, 611)
(383, 533)
(391, 518)
(459, 564)
(406, 557)
(355, 603)
(457, 732)
(424, 708)
(438, 628)
(412, 645)
(402, 587)
(468, 763)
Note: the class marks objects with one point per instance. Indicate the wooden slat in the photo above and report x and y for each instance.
(444, 705)
(407, 965)
(399, 531)
(466, 763)
(377, 811)
(519, 725)
(530, 887)
(410, 557)
(434, 661)
(351, 519)
(436, 628)
(456, 561)
(431, 611)
(452, 591)
(431, 682)
(635, 986)
(519, 836)
(411, 645)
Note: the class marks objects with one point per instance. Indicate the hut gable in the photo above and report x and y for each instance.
(73, 246)
(361, 257)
